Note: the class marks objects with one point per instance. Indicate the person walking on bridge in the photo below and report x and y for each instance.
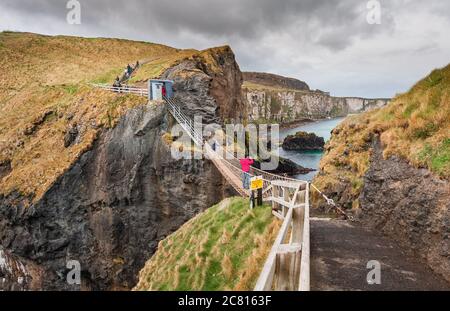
(245, 164)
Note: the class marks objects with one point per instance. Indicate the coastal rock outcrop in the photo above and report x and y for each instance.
(287, 167)
(303, 141)
(209, 85)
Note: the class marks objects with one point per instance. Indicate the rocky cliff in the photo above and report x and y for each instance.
(285, 102)
(122, 193)
(409, 204)
(109, 211)
(391, 168)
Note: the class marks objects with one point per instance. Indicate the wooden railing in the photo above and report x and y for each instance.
(123, 89)
(287, 267)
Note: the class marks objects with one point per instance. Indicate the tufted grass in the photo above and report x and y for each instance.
(223, 248)
(415, 126)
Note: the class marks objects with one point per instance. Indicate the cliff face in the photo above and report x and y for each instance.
(275, 98)
(209, 84)
(289, 106)
(123, 194)
(411, 205)
(109, 211)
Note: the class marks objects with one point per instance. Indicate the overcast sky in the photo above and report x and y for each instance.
(327, 43)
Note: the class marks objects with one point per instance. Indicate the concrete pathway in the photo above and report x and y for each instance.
(340, 252)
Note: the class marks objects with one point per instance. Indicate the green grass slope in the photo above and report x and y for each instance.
(223, 248)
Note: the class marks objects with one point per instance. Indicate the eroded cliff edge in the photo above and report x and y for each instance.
(409, 204)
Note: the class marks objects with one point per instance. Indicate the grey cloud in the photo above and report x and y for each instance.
(313, 40)
(247, 20)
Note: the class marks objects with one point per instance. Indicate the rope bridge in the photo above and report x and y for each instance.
(288, 264)
(222, 158)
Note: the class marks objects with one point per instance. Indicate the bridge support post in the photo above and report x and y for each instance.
(287, 266)
(260, 197)
(275, 205)
(252, 199)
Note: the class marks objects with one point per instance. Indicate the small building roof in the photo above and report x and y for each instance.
(160, 80)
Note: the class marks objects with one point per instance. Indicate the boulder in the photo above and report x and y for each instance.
(287, 167)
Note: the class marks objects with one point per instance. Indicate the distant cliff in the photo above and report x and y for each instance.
(273, 80)
(288, 100)
(107, 199)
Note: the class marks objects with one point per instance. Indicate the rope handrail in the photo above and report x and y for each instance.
(332, 203)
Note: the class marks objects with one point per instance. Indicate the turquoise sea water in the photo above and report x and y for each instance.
(309, 159)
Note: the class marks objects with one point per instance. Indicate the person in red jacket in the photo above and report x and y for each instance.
(164, 92)
(245, 164)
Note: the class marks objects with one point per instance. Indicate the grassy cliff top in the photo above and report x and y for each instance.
(44, 92)
(154, 68)
(414, 126)
(252, 86)
(223, 248)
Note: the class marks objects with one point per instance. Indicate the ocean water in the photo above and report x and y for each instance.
(310, 159)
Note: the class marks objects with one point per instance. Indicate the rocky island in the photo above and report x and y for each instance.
(303, 141)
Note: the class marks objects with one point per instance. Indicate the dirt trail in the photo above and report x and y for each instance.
(340, 252)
